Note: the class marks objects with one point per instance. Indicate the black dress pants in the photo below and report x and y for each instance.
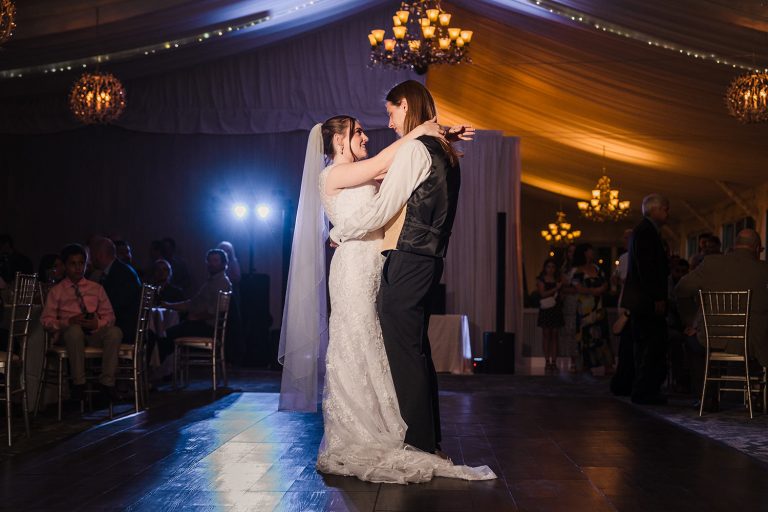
(649, 333)
(408, 285)
(624, 378)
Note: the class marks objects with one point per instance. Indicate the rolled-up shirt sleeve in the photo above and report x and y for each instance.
(409, 169)
(104, 311)
(49, 317)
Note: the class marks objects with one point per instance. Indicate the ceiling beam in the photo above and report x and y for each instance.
(735, 198)
(699, 216)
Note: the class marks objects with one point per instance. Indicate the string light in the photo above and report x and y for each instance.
(597, 24)
(249, 25)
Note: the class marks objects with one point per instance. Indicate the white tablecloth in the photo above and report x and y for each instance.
(451, 346)
(160, 320)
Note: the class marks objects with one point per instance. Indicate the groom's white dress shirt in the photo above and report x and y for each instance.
(410, 167)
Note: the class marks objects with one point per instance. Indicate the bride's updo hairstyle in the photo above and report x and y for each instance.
(337, 125)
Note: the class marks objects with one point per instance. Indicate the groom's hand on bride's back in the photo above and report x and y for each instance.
(460, 132)
(332, 244)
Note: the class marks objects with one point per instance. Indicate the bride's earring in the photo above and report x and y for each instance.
(342, 150)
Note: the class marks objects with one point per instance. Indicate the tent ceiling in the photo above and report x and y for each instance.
(566, 89)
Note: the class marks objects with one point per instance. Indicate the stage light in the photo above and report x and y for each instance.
(263, 211)
(240, 210)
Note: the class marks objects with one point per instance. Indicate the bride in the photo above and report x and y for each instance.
(363, 430)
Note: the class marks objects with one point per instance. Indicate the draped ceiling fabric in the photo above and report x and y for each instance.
(565, 89)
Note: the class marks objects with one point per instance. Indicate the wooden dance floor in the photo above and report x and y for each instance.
(555, 447)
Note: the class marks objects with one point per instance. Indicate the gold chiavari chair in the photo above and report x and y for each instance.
(726, 327)
(15, 356)
(202, 351)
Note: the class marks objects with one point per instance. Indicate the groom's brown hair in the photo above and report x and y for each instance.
(421, 108)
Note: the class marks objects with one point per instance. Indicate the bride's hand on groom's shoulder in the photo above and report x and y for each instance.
(430, 128)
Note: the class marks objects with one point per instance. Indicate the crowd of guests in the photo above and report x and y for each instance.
(659, 325)
(92, 293)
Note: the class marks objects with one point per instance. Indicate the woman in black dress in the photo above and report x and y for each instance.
(550, 311)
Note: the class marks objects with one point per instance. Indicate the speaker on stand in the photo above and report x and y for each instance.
(499, 345)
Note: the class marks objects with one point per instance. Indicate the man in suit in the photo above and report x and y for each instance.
(121, 283)
(645, 296)
(739, 270)
(416, 205)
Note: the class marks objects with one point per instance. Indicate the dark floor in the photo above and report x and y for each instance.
(555, 444)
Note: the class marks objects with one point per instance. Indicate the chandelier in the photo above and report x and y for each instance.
(559, 232)
(423, 35)
(747, 97)
(7, 14)
(97, 98)
(605, 204)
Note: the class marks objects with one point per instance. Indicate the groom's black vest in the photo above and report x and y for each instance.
(430, 210)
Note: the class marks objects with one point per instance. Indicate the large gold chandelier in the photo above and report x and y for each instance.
(7, 23)
(560, 231)
(423, 35)
(605, 203)
(97, 98)
(747, 97)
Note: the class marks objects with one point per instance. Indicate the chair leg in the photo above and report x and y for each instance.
(213, 372)
(8, 408)
(24, 405)
(136, 385)
(704, 386)
(224, 369)
(60, 385)
(41, 386)
(748, 385)
(176, 368)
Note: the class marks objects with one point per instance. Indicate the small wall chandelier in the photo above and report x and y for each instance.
(7, 23)
(423, 35)
(747, 97)
(97, 98)
(605, 203)
(559, 232)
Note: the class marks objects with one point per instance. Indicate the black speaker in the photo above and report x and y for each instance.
(498, 352)
(256, 319)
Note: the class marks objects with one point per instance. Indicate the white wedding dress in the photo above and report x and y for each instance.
(364, 432)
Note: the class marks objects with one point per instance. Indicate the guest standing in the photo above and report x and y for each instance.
(645, 296)
(550, 319)
(568, 293)
(591, 320)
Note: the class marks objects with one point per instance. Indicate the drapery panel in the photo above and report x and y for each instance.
(285, 86)
(66, 187)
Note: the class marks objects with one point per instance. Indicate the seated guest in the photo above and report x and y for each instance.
(738, 270)
(200, 309)
(697, 258)
(78, 312)
(233, 267)
(124, 254)
(161, 278)
(51, 269)
(181, 276)
(12, 261)
(121, 283)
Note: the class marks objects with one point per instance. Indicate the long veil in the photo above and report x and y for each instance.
(304, 331)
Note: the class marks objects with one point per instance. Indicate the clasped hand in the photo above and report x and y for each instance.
(88, 324)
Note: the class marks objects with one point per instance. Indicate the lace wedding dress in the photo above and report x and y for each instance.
(364, 432)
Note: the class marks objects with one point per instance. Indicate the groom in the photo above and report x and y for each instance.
(417, 205)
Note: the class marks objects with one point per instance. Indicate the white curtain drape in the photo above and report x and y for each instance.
(490, 183)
